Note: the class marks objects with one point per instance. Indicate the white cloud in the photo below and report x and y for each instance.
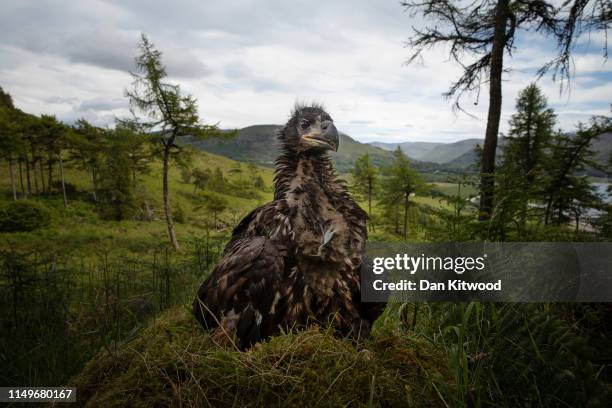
(248, 65)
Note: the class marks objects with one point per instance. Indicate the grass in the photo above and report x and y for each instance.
(92, 285)
(453, 189)
(176, 363)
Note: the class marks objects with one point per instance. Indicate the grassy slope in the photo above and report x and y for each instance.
(79, 226)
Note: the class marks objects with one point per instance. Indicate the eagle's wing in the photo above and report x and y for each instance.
(242, 290)
(263, 221)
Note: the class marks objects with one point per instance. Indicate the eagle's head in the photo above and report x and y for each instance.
(310, 129)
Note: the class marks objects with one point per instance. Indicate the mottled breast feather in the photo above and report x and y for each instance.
(293, 261)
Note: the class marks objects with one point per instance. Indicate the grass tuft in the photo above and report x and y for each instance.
(174, 362)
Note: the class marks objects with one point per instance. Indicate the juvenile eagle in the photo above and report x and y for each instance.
(295, 260)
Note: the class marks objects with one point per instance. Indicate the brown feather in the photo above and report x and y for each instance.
(295, 260)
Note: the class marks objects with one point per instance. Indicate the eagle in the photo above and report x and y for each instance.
(296, 260)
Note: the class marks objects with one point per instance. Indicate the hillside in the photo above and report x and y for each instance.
(440, 153)
(258, 144)
(416, 150)
(82, 220)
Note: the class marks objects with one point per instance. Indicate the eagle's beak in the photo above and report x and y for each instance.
(330, 134)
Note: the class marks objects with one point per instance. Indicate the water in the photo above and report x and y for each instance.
(602, 190)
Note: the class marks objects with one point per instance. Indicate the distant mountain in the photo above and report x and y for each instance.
(440, 153)
(258, 144)
(417, 149)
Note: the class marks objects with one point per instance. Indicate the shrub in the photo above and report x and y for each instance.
(178, 214)
(23, 216)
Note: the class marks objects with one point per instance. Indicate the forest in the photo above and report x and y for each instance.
(106, 233)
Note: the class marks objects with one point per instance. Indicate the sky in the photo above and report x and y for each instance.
(249, 62)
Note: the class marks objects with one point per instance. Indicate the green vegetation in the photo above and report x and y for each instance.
(20, 216)
(166, 110)
(480, 34)
(95, 294)
(174, 362)
(365, 180)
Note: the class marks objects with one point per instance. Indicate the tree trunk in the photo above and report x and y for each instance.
(548, 207)
(167, 209)
(34, 176)
(29, 183)
(23, 193)
(370, 203)
(487, 181)
(49, 173)
(94, 184)
(370, 198)
(61, 164)
(12, 177)
(577, 217)
(41, 171)
(406, 216)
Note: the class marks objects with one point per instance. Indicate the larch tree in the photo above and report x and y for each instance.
(481, 33)
(87, 151)
(164, 112)
(524, 153)
(567, 191)
(400, 182)
(365, 179)
(9, 136)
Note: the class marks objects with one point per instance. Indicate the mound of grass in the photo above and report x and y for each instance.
(174, 362)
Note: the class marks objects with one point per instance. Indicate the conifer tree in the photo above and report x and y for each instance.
(365, 179)
(400, 182)
(167, 114)
(521, 173)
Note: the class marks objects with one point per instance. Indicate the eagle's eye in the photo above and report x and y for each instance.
(304, 123)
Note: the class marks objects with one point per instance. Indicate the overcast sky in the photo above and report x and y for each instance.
(248, 62)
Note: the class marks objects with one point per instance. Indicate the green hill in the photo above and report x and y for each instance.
(258, 144)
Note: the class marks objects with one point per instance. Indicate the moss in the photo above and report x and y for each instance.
(176, 363)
